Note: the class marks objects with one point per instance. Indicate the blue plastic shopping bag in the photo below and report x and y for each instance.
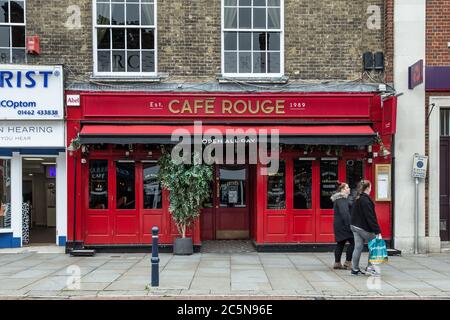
(377, 251)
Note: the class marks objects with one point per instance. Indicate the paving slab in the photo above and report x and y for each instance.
(206, 283)
(251, 286)
(15, 284)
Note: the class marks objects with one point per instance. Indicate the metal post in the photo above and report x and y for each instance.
(416, 232)
(155, 257)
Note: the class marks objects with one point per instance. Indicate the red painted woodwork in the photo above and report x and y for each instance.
(320, 105)
(325, 113)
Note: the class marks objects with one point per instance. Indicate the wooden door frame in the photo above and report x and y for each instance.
(216, 201)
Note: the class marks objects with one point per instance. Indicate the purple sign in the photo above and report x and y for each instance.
(437, 78)
(415, 74)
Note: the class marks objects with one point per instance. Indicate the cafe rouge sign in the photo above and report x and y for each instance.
(276, 105)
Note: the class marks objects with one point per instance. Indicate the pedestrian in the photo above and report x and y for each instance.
(364, 225)
(342, 232)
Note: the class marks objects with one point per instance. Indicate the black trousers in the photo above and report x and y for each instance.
(340, 248)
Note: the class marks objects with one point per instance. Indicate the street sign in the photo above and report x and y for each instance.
(420, 166)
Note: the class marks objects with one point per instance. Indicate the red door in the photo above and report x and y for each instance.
(98, 202)
(125, 213)
(152, 205)
(231, 217)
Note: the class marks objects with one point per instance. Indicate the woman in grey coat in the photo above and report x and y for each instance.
(342, 232)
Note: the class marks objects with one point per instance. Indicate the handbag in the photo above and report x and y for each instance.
(377, 251)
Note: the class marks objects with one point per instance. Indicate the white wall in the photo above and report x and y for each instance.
(16, 195)
(409, 47)
(61, 196)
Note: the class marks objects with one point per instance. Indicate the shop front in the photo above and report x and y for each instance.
(32, 156)
(315, 140)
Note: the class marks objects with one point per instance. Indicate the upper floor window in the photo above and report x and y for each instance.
(12, 31)
(125, 37)
(252, 38)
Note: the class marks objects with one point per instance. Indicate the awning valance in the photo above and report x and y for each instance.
(351, 135)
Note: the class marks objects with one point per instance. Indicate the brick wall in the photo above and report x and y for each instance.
(438, 33)
(323, 39)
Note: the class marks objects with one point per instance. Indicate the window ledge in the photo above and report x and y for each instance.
(114, 78)
(6, 230)
(227, 79)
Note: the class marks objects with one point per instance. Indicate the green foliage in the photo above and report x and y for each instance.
(189, 186)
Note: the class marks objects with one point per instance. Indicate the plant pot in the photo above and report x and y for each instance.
(183, 246)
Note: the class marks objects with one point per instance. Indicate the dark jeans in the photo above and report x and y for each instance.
(340, 248)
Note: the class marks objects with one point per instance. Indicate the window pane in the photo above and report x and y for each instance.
(103, 38)
(259, 18)
(259, 41)
(4, 56)
(98, 184)
(274, 62)
(273, 41)
(147, 13)
(245, 18)
(328, 180)
(125, 187)
(302, 184)
(273, 3)
(133, 39)
(148, 39)
(118, 14)
(118, 38)
(4, 11)
(148, 61)
(18, 37)
(103, 13)
(354, 174)
(5, 193)
(230, 17)
(4, 37)
(245, 62)
(245, 2)
(232, 187)
(259, 3)
(230, 2)
(230, 62)
(230, 40)
(18, 56)
(16, 8)
(276, 189)
(245, 41)
(152, 187)
(133, 14)
(273, 18)
(118, 61)
(104, 61)
(259, 62)
(133, 61)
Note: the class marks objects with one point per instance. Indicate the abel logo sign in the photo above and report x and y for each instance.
(31, 92)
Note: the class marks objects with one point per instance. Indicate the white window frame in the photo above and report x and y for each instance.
(252, 75)
(124, 74)
(16, 24)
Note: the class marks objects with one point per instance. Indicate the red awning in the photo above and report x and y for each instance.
(161, 134)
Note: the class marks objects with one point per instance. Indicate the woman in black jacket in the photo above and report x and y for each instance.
(342, 232)
(364, 225)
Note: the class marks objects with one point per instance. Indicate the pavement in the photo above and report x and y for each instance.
(48, 273)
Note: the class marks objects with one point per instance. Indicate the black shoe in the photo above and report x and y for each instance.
(357, 273)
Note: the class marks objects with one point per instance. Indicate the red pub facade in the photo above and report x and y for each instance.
(115, 199)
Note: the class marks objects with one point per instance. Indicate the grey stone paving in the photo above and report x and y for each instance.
(218, 275)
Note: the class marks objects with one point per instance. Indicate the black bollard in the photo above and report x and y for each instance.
(155, 257)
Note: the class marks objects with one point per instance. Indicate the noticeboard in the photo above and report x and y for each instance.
(383, 182)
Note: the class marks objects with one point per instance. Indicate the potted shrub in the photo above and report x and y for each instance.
(188, 186)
